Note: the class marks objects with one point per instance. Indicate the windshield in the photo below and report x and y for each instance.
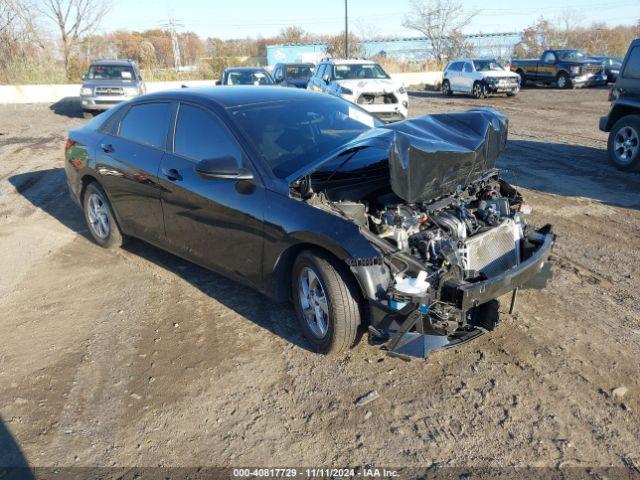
(487, 65)
(571, 55)
(296, 73)
(110, 72)
(290, 134)
(359, 71)
(248, 77)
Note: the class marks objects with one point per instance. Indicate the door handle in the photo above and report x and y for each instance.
(172, 174)
(107, 147)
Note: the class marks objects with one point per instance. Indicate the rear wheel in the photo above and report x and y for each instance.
(624, 143)
(100, 219)
(446, 88)
(325, 299)
(523, 80)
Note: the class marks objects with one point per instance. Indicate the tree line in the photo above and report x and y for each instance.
(52, 41)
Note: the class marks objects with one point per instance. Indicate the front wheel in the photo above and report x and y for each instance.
(624, 143)
(100, 219)
(325, 300)
(478, 90)
(563, 81)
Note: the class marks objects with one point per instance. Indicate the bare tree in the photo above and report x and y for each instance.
(439, 21)
(74, 19)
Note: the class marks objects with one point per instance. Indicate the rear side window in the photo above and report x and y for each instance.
(199, 135)
(146, 123)
(632, 68)
(467, 67)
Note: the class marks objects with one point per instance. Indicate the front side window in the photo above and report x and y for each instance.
(146, 123)
(571, 55)
(456, 67)
(110, 72)
(359, 71)
(200, 135)
(287, 135)
(632, 68)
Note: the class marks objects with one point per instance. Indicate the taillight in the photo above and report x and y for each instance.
(70, 143)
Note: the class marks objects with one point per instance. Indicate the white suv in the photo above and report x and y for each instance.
(365, 83)
(479, 77)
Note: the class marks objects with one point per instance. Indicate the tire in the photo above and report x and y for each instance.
(523, 79)
(478, 90)
(446, 88)
(100, 219)
(87, 114)
(341, 312)
(511, 94)
(624, 144)
(563, 81)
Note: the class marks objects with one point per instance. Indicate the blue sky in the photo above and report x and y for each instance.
(251, 18)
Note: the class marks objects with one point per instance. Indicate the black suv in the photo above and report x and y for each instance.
(623, 121)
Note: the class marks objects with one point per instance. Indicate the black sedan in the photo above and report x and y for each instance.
(405, 228)
(611, 66)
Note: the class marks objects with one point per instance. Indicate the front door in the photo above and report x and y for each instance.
(217, 222)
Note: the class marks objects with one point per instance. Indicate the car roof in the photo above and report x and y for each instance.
(289, 64)
(243, 69)
(119, 63)
(233, 96)
(339, 61)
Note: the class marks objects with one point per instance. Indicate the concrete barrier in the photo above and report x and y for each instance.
(55, 93)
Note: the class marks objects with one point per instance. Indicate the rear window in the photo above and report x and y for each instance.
(146, 124)
(632, 68)
(298, 72)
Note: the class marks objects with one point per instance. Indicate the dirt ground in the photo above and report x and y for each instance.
(139, 358)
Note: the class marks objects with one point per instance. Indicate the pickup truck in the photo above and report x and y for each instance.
(566, 68)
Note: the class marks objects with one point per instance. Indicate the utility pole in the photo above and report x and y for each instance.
(346, 30)
(172, 25)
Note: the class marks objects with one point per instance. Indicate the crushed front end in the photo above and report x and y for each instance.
(452, 234)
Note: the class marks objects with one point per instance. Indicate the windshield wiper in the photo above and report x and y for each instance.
(352, 151)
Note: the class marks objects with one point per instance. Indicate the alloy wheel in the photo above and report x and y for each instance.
(313, 302)
(626, 144)
(98, 213)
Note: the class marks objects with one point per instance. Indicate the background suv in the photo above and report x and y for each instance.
(478, 77)
(109, 82)
(293, 74)
(364, 83)
(623, 121)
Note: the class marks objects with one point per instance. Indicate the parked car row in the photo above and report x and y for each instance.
(362, 82)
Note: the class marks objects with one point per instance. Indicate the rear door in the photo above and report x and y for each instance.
(454, 76)
(546, 69)
(467, 77)
(128, 162)
(217, 222)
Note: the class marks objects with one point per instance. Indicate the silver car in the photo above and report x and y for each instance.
(109, 82)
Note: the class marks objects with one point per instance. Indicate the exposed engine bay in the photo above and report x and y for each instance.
(452, 234)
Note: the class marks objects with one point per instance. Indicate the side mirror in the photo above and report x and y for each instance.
(326, 79)
(222, 167)
(84, 76)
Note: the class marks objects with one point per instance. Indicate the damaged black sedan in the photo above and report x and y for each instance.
(405, 229)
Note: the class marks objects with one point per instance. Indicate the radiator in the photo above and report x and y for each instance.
(494, 251)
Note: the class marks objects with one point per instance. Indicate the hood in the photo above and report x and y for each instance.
(499, 73)
(429, 156)
(367, 85)
(109, 83)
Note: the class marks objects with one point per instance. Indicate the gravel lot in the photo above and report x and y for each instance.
(139, 358)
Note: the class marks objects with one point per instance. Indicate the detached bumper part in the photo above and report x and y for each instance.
(405, 333)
